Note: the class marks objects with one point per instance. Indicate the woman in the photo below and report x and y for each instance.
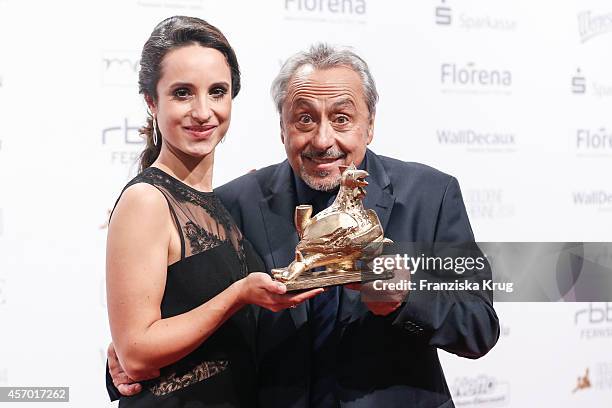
(178, 268)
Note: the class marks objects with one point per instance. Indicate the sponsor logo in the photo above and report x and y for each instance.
(602, 376)
(579, 86)
(597, 377)
(120, 68)
(471, 78)
(594, 321)
(601, 90)
(333, 11)
(593, 141)
(599, 199)
(476, 140)
(122, 133)
(488, 203)
(124, 142)
(578, 83)
(481, 391)
(444, 14)
(591, 25)
(583, 382)
(466, 20)
(174, 4)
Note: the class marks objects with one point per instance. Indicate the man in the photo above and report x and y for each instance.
(337, 350)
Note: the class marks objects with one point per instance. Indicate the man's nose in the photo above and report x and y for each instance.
(325, 136)
(201, 110)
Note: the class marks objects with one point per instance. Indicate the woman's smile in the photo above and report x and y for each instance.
(200, 132)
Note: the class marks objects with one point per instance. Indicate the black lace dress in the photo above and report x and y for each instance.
(221, 372)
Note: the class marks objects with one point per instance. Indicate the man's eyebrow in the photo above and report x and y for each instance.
(347, 102)
(301, 103)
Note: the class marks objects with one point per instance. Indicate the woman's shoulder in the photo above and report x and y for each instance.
(142, 193)
(141, 201)
(142, 189)
(140, 218)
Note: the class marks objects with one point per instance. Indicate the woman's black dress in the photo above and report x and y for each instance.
(221, 372)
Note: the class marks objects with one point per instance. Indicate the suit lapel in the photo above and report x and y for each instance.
(280, 232)
(277, 210)
(378, 192)
(380, 199)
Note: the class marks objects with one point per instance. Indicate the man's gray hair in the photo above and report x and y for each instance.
(324, 56)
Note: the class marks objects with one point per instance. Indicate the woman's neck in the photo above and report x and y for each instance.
(196, 173)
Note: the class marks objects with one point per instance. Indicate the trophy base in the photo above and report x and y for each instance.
(311, 280)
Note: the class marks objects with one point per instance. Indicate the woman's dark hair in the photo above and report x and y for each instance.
(172, 33)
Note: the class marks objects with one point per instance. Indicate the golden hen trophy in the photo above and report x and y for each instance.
(342, 238)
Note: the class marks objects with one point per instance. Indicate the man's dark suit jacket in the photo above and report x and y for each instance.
(389, 361)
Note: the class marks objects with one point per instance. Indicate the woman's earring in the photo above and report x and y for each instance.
(154, 132)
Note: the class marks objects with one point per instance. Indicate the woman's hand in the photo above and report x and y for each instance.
(258, 288)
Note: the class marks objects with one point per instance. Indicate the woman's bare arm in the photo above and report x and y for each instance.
(138, 244)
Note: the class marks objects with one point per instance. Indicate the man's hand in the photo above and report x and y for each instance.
(124, 384)
(384, 301)
(382, 308)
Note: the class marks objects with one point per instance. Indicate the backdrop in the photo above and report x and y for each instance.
(511, 97)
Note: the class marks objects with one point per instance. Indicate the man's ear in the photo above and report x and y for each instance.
(282, 130)
(151, 104)
(370, 135)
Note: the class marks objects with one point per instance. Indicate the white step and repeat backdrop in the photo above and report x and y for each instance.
(512, 97)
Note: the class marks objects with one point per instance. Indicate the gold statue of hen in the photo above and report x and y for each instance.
(337, 238)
